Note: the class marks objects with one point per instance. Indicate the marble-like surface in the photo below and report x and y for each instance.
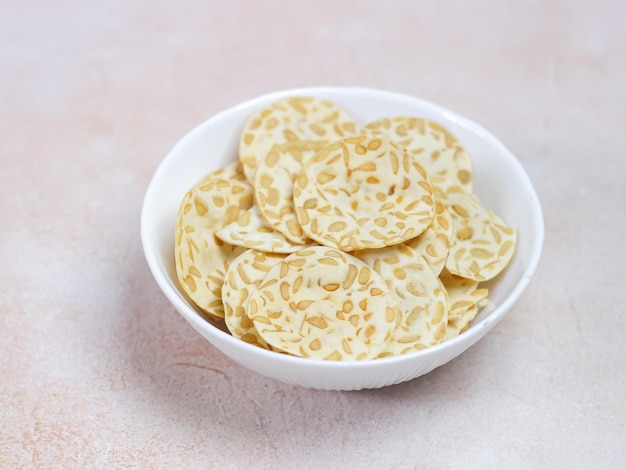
(97, 370)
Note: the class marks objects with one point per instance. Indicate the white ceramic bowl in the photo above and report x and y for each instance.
(499, 181)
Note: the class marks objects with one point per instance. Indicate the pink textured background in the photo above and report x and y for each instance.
(97, 370)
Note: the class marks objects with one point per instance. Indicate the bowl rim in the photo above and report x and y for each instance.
(199, 323)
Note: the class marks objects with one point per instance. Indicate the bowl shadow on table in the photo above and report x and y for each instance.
(189, 387)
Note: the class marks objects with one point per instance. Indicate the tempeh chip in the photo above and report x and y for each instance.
(251, 231)
(421, 297)
(434, 243)
(244, 275)
(201, 258)
(436, 148)
(460, 324)
(273, 186)
(288, 120)
(482, 244)
(363, 192)
(462, 293)
(325, 304)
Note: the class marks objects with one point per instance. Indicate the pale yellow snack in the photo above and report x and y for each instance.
(288, 120)
(201, 258)
(363, 192)
(434, 243)
(273, 186)
(324, 304)
(461, 324)
(405, 243)
(251, 231)
(244, 275)
(437, 149)
(421, 298)
(462, 293)
(482, 244)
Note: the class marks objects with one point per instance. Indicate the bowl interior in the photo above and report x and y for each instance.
(499, 181)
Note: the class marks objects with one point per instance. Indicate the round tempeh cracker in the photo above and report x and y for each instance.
(201, 258)
(251, 231)
(434, 243)
(324, 304)
(288, 120)
(421, 297)
(244, 275)
(462, 293)
(482, 244)
(436, 148)
(273, 186)
(363, 192)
